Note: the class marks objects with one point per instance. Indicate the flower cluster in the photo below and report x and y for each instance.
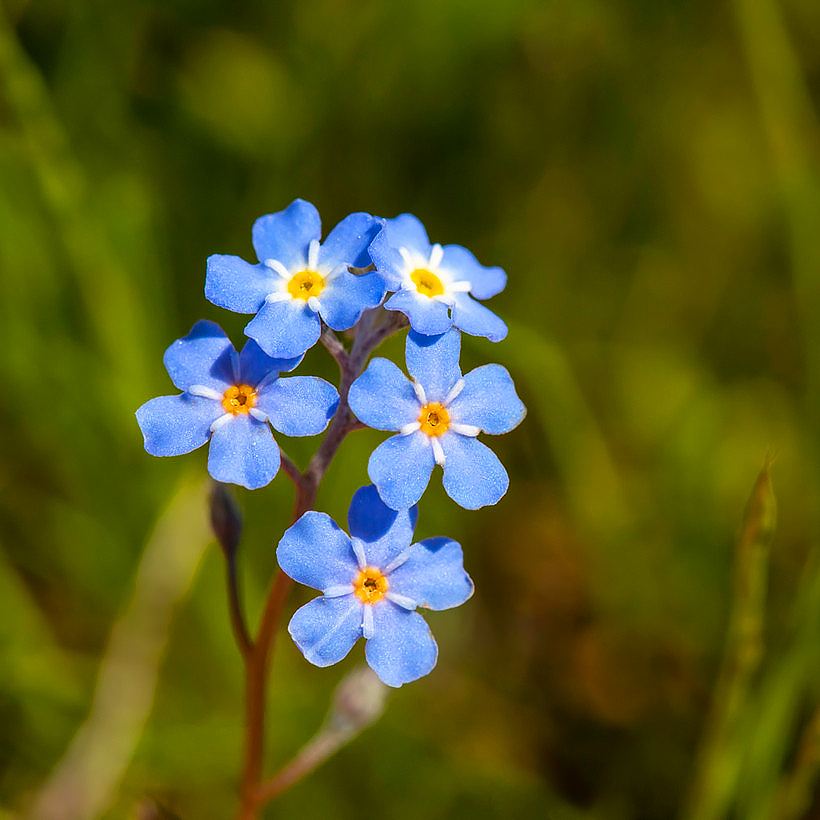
(299, 291)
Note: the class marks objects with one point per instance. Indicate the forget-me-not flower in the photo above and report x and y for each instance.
(298, 281)
(372, 582)
(436, 286)
(232, 399)
(438, 413)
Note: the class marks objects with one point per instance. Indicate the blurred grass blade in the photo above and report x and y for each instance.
(720, 757)
(85, 780)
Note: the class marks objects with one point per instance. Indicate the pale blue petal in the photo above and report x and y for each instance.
(285, 329)
(317, 553)
(325, 629)
(347, 243)
(173, 425)
(235, 284)
(488, 401)
(402, 648)
(433, 362)
(475, 319)
(286, 235)
(426, 315)
(202, 357)
(462, 265)
(385, 532)
(243, 452)
(255, 365)
(383, 397)
(405, 231)
(400, 467)
(299, 405)
(343, 301)
(433, 575)
(473, 475)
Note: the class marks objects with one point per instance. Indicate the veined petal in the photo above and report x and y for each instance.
(473, 475)
(384, 532)
(235, 284)
(173, 425)
(286, 235)
(243, 452)
(343, 301)
(433, 575)
(477, 320)
(325, 629)
(347, 243)
(405, 231)
(433, 362)
(488, 400)
(317, 553)
(462, 265)
(383, 397)
(400, 468)
(202, 357)
(285, 329)
(427, 316)
(402, 648)
(256, 366)
(299, 405)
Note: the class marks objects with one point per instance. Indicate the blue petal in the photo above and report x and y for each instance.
(325, 629)
(285, 329)
(433, 575)
(475, 319)
(235, 284)
(426, 315)
(383, 397)
(299, 405)
(342, 302)
(402, 648)
(488, 401)
(473, 475)
(201, 357)
(285, 235)
(255, 364)
(243, 452)
(347, 243)
(462, 265)
(316, 553)
(433, 362)
(400, 467)
(385, 532)
(173, 425)
(405, 231)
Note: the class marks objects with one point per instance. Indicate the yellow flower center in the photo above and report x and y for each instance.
(239, 399)
(305, 284)
(426, 282)
(370, 585)
(434, 419)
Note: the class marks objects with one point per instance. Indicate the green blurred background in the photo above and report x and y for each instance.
(647, 173)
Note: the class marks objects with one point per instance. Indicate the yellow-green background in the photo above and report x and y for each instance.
(646, 171)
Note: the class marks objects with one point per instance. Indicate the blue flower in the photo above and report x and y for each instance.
(231, 398)
(438, 416)
(372, 582)
(297, 280)
(435, 285)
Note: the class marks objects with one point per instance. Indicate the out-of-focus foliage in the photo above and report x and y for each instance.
(648, 173)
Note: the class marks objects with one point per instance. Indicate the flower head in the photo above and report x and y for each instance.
(372, 583)
(298, 281)
(436, 286)
(437, 413)
(231, 399)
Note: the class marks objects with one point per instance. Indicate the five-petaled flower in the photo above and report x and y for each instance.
(231, 398)
(372, 582)
(438, 416)
(298, 282)
(435, 285)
